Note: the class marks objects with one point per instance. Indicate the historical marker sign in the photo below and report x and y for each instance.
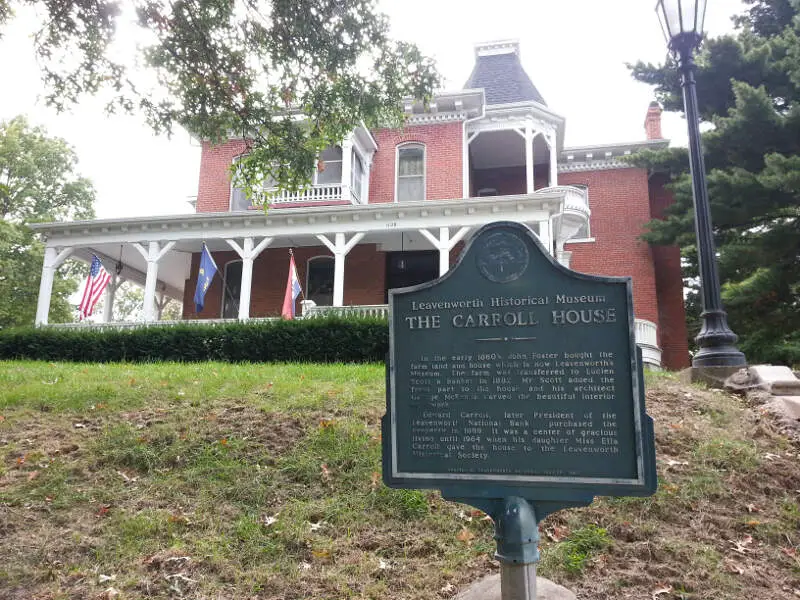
(512, 375)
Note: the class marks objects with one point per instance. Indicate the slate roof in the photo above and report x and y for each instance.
(503, 80)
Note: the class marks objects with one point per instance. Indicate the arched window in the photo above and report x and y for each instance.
(585, 232)
(410, 172)
(319, 280)
(231, 289)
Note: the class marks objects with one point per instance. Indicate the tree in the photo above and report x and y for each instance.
(291, 76)
(37, 183)
(749, 93)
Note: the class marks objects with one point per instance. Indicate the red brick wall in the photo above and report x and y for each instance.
(669, 287)
(364, 279)
(443, 160)
(214, 188)
(618, 199)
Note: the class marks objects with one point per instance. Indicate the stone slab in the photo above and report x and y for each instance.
(488, 588)
(711, 376)
(777, 380)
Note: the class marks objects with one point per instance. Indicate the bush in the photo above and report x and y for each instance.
(332, 339)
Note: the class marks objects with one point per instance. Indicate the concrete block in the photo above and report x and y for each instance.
(777, 380)
(488, 588)
(712, 376)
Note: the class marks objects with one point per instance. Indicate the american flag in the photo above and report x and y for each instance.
(95, 284)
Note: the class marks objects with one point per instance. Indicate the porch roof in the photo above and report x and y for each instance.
(112, 239)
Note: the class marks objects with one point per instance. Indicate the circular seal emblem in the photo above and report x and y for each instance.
(503, 257)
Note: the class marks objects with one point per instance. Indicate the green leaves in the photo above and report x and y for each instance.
(292, 76)
(38, 179)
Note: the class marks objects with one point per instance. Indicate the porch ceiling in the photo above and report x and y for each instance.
(494, 149)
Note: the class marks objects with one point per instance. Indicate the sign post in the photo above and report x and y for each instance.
(515, 385)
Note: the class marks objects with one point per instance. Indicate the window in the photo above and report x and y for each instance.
(319, 280)
(410, 172)
(584, 233)
(357, 176)
(231, 289)
(331, 162)
(487, 192)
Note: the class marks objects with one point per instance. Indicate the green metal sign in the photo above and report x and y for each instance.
(512, 376)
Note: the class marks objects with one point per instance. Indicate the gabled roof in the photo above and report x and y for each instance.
(499, 72)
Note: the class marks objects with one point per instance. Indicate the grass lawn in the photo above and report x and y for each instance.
(263, 481)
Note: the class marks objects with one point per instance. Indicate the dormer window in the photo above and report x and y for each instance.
(330, 161)
(410, 172)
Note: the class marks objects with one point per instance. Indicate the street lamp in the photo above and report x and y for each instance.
(682, 23)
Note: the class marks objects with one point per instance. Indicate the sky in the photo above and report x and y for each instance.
(575, 51)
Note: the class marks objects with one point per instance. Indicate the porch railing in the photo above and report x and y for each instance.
(312, 194)
(365, 310)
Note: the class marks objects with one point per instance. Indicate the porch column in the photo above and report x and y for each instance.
(529, 158)
(52, 260)
(444, 243)
(248, 253)
(553, 161)
(544, 234)
(347, 168)
(108, 301)
(339, 247)
(152, 255)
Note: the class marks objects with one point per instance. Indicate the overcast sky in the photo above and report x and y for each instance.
(574, 51)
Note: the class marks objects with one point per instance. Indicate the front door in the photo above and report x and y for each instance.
(410, 268)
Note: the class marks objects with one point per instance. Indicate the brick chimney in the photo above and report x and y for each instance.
(652, 122)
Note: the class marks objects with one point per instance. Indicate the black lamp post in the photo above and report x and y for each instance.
(682, 22)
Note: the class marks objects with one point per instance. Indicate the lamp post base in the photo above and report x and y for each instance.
(717, 342)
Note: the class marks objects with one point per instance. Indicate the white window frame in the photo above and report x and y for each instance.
(316, 168)
(313, 177)
(398, 148)
(233, 187)
(588, 238)
(225, 287)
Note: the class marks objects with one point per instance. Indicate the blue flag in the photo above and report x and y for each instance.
(208, 268)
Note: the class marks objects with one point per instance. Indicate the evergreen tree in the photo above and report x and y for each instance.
(748, 87)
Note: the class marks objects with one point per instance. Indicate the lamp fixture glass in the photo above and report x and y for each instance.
(682, 22)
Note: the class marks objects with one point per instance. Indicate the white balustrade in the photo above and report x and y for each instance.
(575, 198)
(311, 194)
(380, 311)
(646, 334)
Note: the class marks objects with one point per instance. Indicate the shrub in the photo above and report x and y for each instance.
(332, 339)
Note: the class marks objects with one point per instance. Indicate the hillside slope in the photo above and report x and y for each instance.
(262, 481)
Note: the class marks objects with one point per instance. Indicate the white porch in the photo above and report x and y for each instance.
(155, 252)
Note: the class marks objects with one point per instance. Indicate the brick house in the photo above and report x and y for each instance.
(392, 207)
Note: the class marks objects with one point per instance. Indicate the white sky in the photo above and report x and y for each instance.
(574, 51)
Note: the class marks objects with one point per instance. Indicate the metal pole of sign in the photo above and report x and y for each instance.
(517, 535)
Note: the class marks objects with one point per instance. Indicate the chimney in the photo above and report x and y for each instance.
(652, 122)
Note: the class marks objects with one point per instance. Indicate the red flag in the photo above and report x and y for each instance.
(293, 290)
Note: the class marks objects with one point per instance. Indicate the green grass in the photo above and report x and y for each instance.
(68, 387)
(572, 555)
